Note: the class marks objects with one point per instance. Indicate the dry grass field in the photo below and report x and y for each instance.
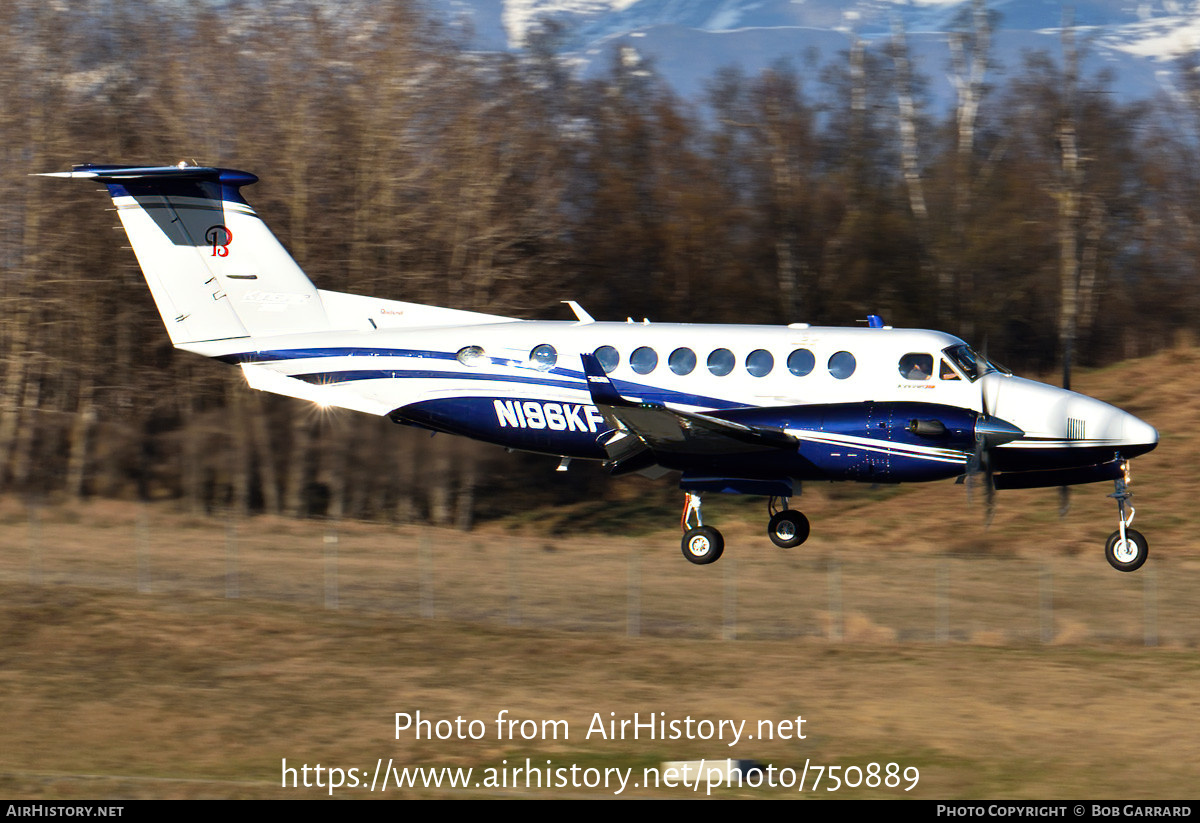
(150, 654)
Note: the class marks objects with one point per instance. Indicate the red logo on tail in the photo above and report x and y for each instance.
(220, 237)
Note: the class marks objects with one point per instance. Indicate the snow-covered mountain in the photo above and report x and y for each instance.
(688, 40)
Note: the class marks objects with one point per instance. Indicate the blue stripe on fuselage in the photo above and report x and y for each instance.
(327, 378)
(574, 379)
(336, 351)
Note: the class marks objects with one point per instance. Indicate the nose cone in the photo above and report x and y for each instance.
(1092, 422)
(1139, 435)
(1066, 426)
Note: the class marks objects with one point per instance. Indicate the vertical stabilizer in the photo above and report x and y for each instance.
(216, 271)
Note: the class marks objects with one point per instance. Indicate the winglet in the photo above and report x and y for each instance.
(603, 392)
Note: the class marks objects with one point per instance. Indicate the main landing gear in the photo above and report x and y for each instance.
(788, 528)
(701, 544)
(704, 544)
(1126, 548)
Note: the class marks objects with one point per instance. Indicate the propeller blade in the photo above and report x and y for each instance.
(990, 432)
(989, 496)
(980, 368)
(980, 472)
(1064, 492)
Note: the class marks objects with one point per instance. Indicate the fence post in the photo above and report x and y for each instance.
(633, 600)
(941, 632)
(730, 565)
(425, 573)
(514, 585)
(142, 548)
(331, 568)
(34, 514)
(1046, 602)
(834, 580)
(232, 585)
(1150, 605)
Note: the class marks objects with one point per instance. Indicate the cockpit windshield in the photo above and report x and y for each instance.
(972, 364)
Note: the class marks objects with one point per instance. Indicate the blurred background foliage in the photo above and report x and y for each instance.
(1038, 213)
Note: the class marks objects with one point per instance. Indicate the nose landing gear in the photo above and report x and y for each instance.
(1126, 548)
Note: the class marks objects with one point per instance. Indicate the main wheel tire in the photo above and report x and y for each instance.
(1129, 554)
(703, 545)
(788, 529)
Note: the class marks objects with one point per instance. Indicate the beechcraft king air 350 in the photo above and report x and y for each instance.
(730, 408)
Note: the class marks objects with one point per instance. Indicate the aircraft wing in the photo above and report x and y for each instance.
(643, 429)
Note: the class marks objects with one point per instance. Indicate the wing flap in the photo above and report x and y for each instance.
(653, 427)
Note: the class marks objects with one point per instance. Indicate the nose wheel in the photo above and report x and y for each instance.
(1126, 549)
(1126, 553)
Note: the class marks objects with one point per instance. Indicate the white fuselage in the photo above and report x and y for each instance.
(379, 369)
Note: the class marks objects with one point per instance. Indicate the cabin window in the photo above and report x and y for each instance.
(842, 365)
(682, 361)
(760, 362)
(608, 357)
(543, 357)
(916, 366)
(801, 362)
(643, 360)
(948, 373)
(472, 356)
(721, 362)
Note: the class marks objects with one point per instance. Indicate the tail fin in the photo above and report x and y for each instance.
(216, 271)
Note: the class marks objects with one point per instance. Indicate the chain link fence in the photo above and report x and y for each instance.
(623, 585)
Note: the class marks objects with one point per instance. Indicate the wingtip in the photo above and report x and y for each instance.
(64, 174)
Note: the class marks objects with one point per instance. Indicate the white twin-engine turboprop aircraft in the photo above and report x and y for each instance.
(746, 409)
